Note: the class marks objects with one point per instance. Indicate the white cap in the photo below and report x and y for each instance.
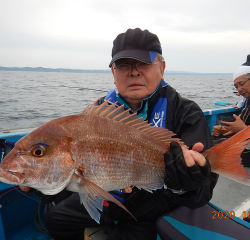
(242, 70)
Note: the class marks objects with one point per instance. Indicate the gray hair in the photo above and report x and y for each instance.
(247, 76)
(160, 57)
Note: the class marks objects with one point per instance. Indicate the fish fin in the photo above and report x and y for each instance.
(99, 111)
(92, 197)
(225, 159)
(120, 114)
(151, 187)
(90, 108)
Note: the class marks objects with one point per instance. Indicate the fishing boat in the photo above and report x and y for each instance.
(21, 214)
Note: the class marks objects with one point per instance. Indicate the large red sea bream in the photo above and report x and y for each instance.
(105, 148)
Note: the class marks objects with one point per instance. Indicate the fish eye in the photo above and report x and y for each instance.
(38, 151)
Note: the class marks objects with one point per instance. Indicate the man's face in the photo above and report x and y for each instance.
(135, 85)
(243, 86)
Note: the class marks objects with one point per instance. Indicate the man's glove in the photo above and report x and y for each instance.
(181, 178)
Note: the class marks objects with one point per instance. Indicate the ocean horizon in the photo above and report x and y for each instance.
(30, 99)
(42, 69)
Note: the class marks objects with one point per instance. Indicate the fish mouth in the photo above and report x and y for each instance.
(10, 177)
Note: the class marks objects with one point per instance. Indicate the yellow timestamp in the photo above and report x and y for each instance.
(227, 214)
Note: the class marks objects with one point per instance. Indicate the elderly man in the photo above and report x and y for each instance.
(241, 82)
(138, 68)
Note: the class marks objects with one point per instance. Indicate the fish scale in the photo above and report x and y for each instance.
(128, 162)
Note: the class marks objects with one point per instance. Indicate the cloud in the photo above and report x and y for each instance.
(195, 35)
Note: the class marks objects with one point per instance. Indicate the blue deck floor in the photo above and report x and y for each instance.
(28, 232)
(17, 215)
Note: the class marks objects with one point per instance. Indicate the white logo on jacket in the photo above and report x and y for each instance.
(158, 119)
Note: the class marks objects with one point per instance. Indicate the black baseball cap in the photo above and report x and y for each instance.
(247, 63)
(136, 44)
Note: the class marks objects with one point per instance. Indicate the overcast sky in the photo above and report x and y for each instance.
(196, 35)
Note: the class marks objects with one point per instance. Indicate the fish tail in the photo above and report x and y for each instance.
(225, 158)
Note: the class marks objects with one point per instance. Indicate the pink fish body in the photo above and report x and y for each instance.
(103, 149)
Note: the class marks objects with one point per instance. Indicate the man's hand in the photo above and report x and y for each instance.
(24, 188)
(235, 106)
(218, 130)
(234, 127)
(127, 190)
(186, 169)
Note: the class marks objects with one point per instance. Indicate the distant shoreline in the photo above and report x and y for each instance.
(41, 69)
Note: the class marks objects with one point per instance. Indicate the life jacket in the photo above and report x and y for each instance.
(159, 111)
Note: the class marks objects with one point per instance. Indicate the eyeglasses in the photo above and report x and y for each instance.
(127, 68)
(241, 84)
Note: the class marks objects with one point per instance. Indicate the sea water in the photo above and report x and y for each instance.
(30, 99)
